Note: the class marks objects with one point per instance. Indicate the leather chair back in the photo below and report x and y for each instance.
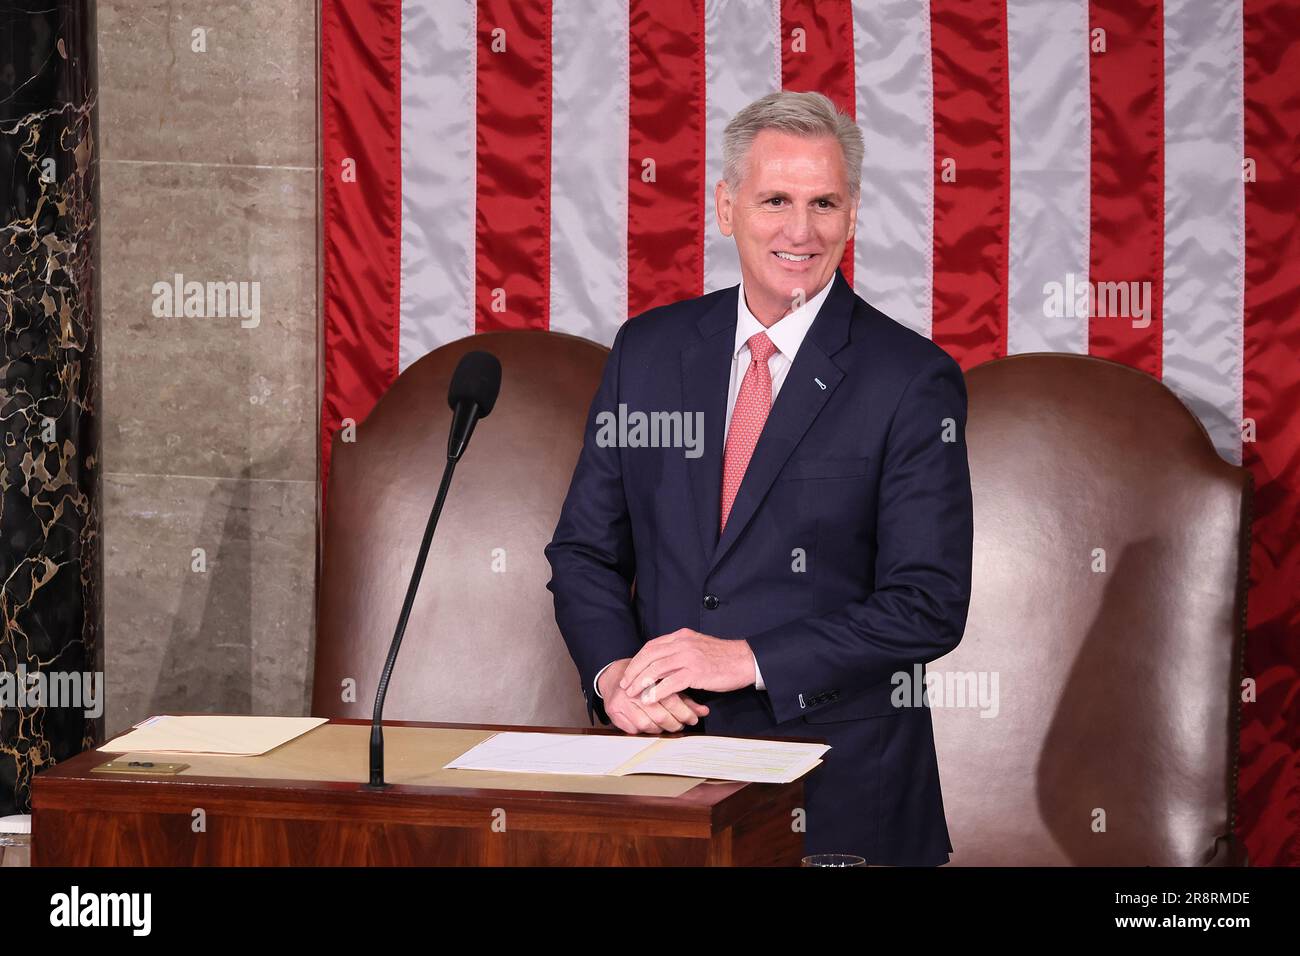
(481, 645)
(1109, 605)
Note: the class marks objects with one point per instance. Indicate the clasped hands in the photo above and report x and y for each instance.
(646, 694)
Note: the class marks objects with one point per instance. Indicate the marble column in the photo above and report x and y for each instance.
(50, 543)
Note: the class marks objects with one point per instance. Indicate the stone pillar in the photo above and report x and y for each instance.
(50, 543)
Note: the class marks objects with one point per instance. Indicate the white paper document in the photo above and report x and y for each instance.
(719, 758)
(217, 735)
(597, 754)
(729, 758)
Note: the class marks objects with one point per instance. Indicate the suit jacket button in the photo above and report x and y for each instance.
(711, 602)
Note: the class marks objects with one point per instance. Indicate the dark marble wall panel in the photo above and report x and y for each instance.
(49, 480)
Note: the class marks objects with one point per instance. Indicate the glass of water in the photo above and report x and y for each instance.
(16, 840)
(832, 859)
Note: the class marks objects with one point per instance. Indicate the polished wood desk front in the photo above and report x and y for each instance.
(90, 819)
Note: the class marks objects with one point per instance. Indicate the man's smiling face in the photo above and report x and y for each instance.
(791, 216)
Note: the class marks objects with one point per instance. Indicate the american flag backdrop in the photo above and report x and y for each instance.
(549, 164)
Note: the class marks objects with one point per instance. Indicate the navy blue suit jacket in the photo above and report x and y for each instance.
(846, 559)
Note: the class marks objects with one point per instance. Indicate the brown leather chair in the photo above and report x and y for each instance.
(1115, 735)
(481, 644)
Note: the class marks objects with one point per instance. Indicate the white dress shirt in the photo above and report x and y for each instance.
(787, 335)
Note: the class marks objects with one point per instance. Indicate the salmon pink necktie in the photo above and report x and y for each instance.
(747, 418)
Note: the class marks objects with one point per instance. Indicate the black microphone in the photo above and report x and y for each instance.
(473, 392)
(472, 395)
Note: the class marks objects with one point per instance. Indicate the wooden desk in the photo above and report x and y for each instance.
(85, 819)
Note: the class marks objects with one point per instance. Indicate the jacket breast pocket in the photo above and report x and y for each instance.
(804, 468)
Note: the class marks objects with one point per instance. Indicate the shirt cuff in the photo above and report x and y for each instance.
(758, 676)
(596, 682)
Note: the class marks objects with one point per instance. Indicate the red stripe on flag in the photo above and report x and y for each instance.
(971, 178)
(361, 96)
(665, 217)
(1128, 181)
(1269, 779)
(820, 58)
(513, 218)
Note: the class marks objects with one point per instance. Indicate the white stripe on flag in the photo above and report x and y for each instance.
(742, 61)
(893, 247)
(1051, 137)
(1204, 214)
(438, 89)
(589, 137)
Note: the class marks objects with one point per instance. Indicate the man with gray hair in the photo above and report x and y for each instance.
(820, 543)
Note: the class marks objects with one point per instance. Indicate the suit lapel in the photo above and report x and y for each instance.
(808, 385)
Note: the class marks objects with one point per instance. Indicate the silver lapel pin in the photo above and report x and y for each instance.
(820, 383)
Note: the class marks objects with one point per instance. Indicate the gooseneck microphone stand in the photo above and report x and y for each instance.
(377, 727)
(472, 395)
